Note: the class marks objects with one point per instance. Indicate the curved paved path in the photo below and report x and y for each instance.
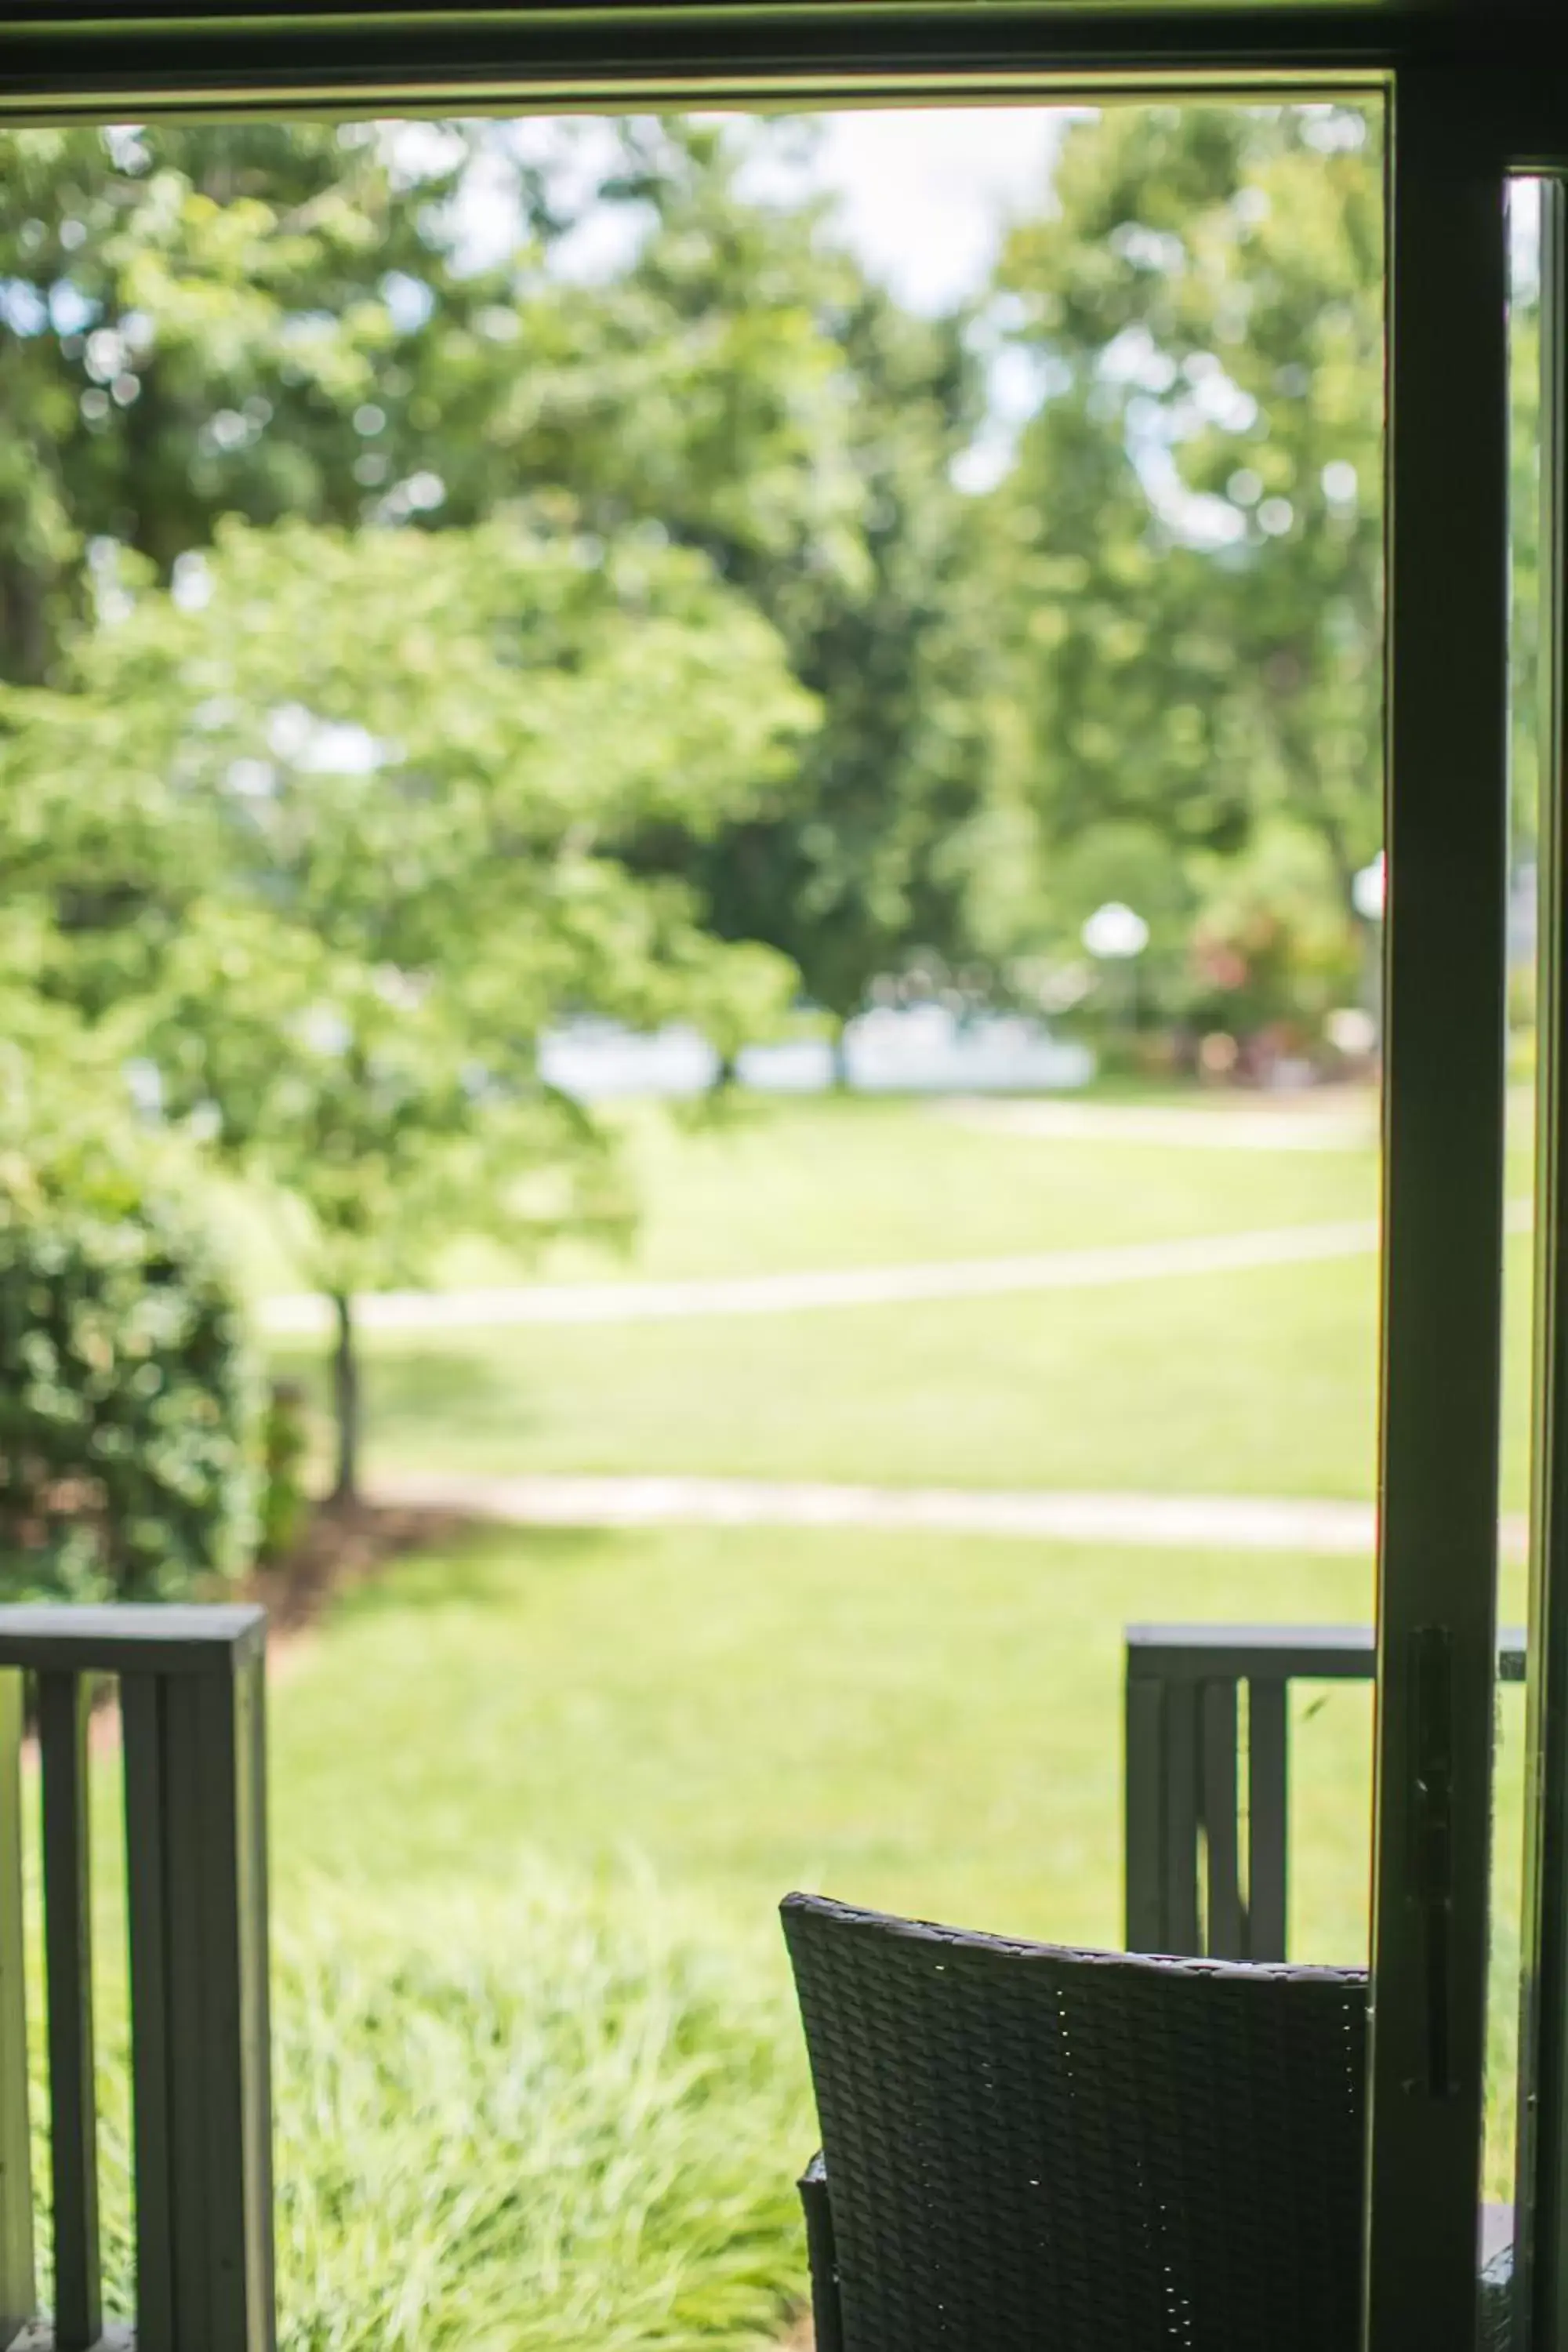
(1165, 1522)
(1280, 1126)
(304, 1315)
(791, 1294)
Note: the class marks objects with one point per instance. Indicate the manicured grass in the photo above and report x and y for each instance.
(904, 1720)
(1256, 1383)
(908, 1722)
(535, 1798)
(1262, 1382)
(534, 1801)
(773, 1185)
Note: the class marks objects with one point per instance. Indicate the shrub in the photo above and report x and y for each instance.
(125, 1389)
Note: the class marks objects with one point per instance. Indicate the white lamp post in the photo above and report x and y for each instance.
(1115, 934)
(1369, 890)
(1369, 896)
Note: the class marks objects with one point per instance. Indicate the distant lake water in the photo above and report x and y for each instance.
(916, 1049)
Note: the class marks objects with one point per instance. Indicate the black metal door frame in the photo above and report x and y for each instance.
(1446, 722)
(1468, 102)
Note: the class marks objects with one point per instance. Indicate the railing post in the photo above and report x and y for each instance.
(1180, 1817)
(1143, 1794)
(195, 1799)
(1225, 1915)
(64, 1700)
(1267, 1770)
(17, 2286)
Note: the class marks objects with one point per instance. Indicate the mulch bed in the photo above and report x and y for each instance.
(344, 1546)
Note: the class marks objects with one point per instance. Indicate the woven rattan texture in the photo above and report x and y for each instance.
(1035, 2150)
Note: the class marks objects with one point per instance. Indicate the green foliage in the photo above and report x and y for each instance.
(1270, 947)
(202, 320)
(351, 847)
(352, 837)
(1194, 513)
(125, 1417)
(740, 382)
(286, 321)
(530, 2124)
(835, 507)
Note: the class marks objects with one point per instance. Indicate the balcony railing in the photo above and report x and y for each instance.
(191, 1713)
(1202, 1702)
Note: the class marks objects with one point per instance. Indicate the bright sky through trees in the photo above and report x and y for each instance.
(924, 193)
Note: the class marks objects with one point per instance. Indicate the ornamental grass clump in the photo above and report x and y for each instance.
(564, 2118)
(126, 1392)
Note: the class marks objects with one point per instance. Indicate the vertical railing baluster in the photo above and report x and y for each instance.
(195, 1797)
(64, 1700)
(1267, 1827)
(16, 2281)
(252, 1897)
(141, 1716)
(1225, 1924)
(1143, 1798)
(1181, 1814)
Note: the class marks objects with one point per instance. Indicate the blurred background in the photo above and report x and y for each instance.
(691, 852)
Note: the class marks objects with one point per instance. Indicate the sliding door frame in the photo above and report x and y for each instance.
(1467, 102)
(1445, 976)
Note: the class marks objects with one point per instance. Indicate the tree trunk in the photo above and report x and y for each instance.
(345, 1400)
(838, 1051)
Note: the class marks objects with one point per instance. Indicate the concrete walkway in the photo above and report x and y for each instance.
(1161, 1522)
(304, 1315)
(1287, 1126)
(794, 1294)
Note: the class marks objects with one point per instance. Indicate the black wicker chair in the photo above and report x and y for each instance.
(1025, 2150)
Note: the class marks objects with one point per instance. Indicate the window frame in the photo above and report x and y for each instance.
(1470, 99)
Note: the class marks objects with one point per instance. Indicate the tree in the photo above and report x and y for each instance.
(1195, 505)
(741, 381)
(202, 320)
(292, 321)
(351, 847)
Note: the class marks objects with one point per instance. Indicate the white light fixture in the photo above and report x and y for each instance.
(1369, 890)
(1113, 932)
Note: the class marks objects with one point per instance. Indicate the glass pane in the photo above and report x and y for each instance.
(1007, 489)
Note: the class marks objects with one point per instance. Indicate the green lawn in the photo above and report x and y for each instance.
(774, 1185)
(535, 1798)
(1256, 1382)
(904, 1720)
(534, 1801)
(680, 1726)
(1261, 1381)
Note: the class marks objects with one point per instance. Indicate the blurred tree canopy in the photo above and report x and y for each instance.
(745, 384)
(454, 576)
(1193, 526)
(194, 322)
(349, 423)
(350, 846)
(1156, 638)
(302, 321)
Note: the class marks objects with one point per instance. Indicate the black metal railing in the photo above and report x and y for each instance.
(192, 1730)
(1207, 1768)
